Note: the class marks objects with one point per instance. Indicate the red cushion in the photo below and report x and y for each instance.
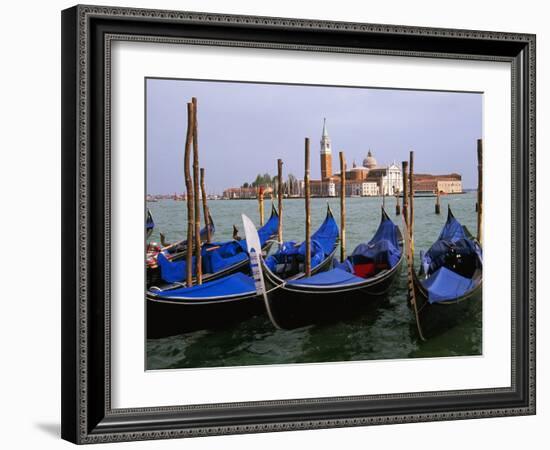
(364, 270)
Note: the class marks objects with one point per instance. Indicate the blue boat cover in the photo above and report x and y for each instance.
(323, 242)
(444, 285)
(225, 256)
(333, 277)
(173, 271)
(452, 231)
(388, 231)
(326, 235)
(216, 256)
(290, 251)
(383, 250)
(383, 247)
(451, 239)
(436, 256)
(235, 284)
(269, 229)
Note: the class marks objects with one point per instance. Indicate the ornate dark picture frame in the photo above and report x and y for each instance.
(87, 33)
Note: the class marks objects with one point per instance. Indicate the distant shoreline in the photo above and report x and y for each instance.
(422, 195)
(359, 196)
(336, 197)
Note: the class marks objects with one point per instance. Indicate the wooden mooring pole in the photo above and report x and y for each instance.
(397, 205)
(189, 194)
(437, 202)
(280, 199)
(479, 190)
(405, 168)
(261, 204)
(196, 191)
(411, 197)
(342, 207)
(308, 212)
(205, 211)
(410, 279)
(408, 248)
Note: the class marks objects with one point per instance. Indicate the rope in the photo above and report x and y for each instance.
(276, 287)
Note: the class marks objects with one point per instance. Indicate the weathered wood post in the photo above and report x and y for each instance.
(409, 252)
(308, 212)
(196, 190)
(397, 205)
(408, 248)
(437, 202)
(205, 211)
(411, 196)
(280, 199)
(261, 204)
(479, 190)
(342, 207)
(405, 168)
(189, 194)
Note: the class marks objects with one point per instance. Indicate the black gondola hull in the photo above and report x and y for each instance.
(170, 318)
(294, 307)
(436, 318)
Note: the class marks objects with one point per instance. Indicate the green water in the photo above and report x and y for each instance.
(388, 334)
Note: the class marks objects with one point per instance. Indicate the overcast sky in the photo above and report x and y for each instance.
(245, 127)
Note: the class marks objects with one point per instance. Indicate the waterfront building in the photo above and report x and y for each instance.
(357, 173)
(240, 193)
(444, 184)
(389, 179)
(323, 188)
(359, 188)
(369, 188)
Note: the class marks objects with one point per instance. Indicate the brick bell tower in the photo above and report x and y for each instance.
(326, 154)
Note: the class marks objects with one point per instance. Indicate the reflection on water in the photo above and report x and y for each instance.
(387, 334)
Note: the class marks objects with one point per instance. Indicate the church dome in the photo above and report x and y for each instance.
(370, 162)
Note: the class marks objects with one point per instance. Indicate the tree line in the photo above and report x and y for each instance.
(291, 186)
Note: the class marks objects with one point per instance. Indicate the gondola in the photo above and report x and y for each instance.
(448, 283)
(172, 252)
(149, 224)
(220, 302)
(219, 259)
(357, 285)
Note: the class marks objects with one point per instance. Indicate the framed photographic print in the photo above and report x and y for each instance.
(268, 222)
